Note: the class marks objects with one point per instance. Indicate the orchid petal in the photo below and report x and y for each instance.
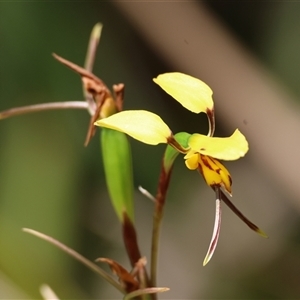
(216, 232)
(190, 92)
(230, 148)
(192, 162)
(142, 125)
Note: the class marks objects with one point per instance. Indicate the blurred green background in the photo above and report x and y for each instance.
(51, 183)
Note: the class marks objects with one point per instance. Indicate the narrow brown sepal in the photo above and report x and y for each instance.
(252, 226)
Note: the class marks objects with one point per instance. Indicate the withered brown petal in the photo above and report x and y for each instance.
(126, 279)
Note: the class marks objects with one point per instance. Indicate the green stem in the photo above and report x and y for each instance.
(163, 184)
(157, 218)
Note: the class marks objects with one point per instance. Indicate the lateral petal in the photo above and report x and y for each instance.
(142, 125)
(229, 148)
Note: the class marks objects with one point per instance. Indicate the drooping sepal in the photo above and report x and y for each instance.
(216, 230)
(251, 225)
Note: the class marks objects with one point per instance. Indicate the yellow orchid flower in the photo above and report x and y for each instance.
(202, 152)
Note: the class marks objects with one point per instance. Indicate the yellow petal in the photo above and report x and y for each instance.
(230, 148)
(208, 171)
(225, 177)
(191, 162)
(142, 125)
(190, 92)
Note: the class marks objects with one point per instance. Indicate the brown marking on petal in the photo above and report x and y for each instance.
(205, 160)
(200, 169)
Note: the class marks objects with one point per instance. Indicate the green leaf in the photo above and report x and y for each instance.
(118, 171)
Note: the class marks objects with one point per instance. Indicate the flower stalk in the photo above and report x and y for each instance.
(164, 180)
(202, 152)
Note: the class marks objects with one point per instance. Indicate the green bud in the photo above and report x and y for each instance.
(117, 162)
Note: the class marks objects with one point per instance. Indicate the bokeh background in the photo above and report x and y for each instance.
(248, 52)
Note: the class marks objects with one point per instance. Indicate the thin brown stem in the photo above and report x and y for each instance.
(132, 249)
(42, 107)
(130, 240)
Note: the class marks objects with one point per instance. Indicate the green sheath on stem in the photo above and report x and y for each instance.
(118, 171)
(171, 154)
